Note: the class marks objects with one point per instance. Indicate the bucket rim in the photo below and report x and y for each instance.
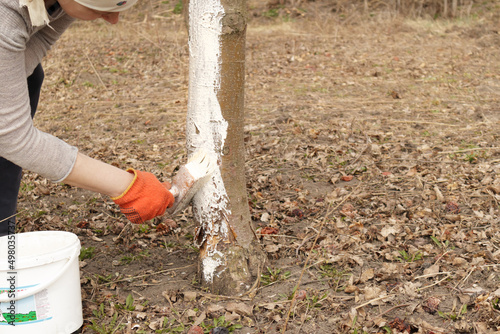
(36, 260)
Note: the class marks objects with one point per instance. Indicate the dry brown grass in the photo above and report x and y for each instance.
(406, 8)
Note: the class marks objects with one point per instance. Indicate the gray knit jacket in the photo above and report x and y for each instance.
(22, 48)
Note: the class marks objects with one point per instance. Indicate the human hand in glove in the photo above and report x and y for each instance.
(145, 198)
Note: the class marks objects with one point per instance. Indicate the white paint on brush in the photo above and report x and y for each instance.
(201, 164)
(206, 128)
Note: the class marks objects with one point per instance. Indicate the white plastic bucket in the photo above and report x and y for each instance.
(40, 283)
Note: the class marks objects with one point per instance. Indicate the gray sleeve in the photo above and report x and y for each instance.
(20, 142)
(42, 40)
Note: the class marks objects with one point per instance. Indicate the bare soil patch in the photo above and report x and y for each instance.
(373, 162)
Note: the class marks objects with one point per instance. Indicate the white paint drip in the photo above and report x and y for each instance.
(206, 128)
(210, 264)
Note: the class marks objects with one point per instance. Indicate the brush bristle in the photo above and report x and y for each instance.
(191, 177)
(201, 163)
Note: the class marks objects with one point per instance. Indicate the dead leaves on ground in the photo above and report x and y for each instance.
(411, 230)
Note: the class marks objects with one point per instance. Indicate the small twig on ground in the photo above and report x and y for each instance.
(97, 73)
(421, 160)
(360, 154)
(489, 192)
(1, 221)
(212, 296)
(436, 283)
(274, 303)
(118, 325)
(277, 235)
(137, 293)
(123, 229)
(176, 314)
(302, 244)
(435, 274)
(371, 301)
(293, 274)
(318, 281)
(253, 290)
(469, 150)
(146, 284)
(147, 275)
(303, 320)
(466, 277)
(392, 308)
(453, 288)
(426, 122)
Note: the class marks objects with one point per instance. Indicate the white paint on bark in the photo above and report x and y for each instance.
(211, 263)
(206, 128)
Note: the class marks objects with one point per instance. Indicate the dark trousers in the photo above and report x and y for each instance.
(10, 174)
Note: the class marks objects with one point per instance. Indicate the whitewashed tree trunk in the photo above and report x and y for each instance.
(229, 251)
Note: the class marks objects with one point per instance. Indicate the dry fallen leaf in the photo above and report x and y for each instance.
(367, 275)
(453, 208)
(351, 289)
(400, 326)
(301, 295)
(269, 230)
(431, 305)
(347, 178)
(240, 308)
(432, 270)
(195, 330)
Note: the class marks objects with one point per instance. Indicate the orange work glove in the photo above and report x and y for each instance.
(145, 198)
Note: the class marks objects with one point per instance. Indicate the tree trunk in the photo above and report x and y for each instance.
(229, 251)
(454, 5)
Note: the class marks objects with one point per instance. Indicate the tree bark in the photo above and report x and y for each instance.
(230, 255)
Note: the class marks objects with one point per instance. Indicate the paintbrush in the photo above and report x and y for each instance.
(191, 178)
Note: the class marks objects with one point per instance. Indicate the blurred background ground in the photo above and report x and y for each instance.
(373, 125)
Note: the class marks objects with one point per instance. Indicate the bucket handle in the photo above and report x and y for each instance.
(40, 287)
